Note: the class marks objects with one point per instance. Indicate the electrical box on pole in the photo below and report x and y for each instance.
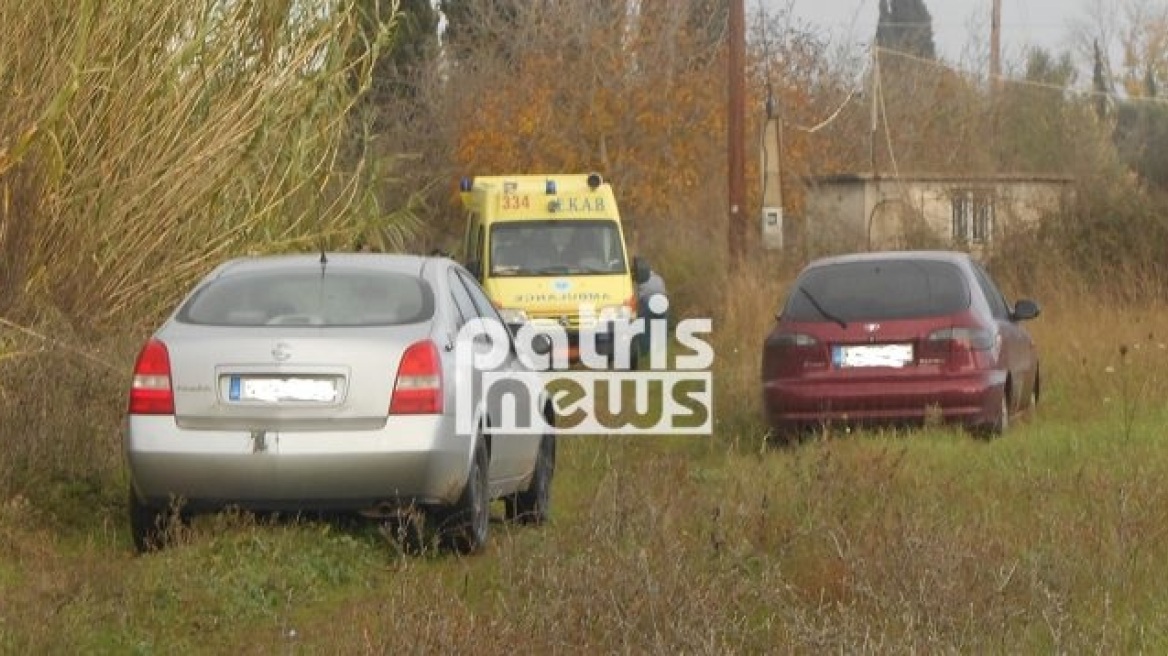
(772, 187)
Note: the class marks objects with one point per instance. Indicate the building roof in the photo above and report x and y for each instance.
(858, 178)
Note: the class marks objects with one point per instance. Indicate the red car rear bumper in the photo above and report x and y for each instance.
(973, 399)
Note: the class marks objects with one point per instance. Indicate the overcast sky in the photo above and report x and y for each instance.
(960, 27)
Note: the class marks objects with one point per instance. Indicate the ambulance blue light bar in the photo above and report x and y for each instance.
(550, 187)
(465, 183)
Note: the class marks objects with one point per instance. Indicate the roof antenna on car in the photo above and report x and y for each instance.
(323, 259)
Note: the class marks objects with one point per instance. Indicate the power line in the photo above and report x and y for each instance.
(1014, 81)
(827, 121)
(936, 64)
(887, 132)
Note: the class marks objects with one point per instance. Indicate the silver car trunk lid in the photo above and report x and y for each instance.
(285, 378)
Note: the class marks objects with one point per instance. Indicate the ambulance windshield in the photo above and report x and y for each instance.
(555, 248)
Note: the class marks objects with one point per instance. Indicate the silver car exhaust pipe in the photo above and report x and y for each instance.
(385, 510)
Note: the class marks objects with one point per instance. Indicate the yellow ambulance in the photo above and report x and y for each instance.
(550, 250)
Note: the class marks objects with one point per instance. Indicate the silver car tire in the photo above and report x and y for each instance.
(466, 524)
(533, 505)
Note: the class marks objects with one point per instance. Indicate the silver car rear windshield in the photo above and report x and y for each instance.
(338, 298)
(878, 290)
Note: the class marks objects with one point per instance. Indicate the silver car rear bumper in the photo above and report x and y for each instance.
(413, 459)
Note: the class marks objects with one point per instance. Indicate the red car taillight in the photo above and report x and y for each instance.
(956, 345)
(150, 391)
(418, 390)
(790, 354)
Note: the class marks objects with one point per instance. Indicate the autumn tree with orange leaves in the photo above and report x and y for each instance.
(633, 89)
(611, 86)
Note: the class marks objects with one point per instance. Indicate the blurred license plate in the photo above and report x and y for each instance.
(274, 390)
(872, 355)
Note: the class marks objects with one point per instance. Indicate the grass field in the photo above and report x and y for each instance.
(1049, 540)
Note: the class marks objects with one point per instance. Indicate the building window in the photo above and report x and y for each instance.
(973, 216)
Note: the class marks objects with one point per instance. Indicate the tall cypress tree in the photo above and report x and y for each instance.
(906, 26)
(1099, 83)
(417, 34)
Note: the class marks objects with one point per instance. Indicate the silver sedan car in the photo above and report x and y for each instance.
(326, 382)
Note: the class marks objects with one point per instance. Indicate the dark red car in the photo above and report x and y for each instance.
(897, 338)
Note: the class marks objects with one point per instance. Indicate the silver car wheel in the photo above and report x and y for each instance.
(533, 505)
(468, 521)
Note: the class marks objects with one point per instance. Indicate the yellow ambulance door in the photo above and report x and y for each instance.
(475, 246)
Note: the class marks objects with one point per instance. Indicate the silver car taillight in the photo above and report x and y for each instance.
(418, 389)
(150, 391)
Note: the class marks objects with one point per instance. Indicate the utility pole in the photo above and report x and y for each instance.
(995, 44)
(772, 179)
(735, 134)
(995, 77)
(874, 119)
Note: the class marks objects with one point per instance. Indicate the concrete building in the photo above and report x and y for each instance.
(856, 212)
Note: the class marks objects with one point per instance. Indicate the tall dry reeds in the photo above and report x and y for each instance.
(144, 141)
(141, 143)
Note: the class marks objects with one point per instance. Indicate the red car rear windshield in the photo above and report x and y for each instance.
(878, 290)
(340, 298)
